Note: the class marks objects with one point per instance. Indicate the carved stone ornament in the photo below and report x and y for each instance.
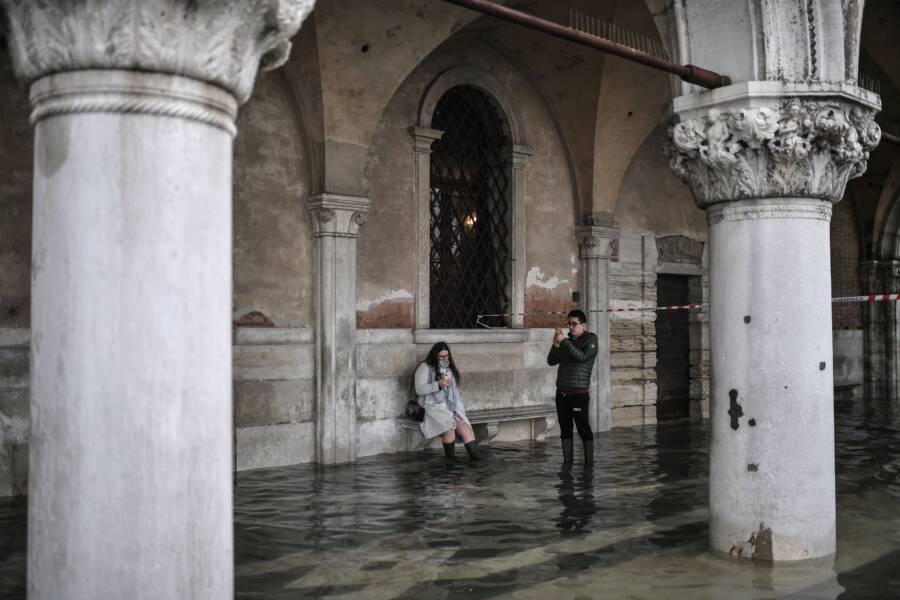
(801, 148)
(679, 249)
(595, 241)
(223, 42)
(338, 215)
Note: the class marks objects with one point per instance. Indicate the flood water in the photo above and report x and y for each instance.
(517, 526)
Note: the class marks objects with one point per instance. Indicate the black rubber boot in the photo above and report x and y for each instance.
(473, 450)
(568, 451)
(588, 452)
(449, 450)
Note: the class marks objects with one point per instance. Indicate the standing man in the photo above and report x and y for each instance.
(575, 356)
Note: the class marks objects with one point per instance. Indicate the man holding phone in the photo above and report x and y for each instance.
(575, 356)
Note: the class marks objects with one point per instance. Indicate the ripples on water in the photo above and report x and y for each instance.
(516, 526)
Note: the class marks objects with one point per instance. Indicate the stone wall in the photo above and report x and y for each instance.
(387, 266)
(845, 276)
(273, 243)
(274, 385)
(848, 362)
(14, 411)
(633, 273)
(274, 396)
(16, 150)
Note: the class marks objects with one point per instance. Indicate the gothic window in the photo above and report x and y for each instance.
(469, 206)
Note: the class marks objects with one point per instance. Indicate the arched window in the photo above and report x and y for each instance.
(469, 211)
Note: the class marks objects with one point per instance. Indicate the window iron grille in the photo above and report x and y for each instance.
(469, 212)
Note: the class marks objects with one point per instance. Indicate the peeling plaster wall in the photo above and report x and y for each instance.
(652, 200)
(631, 103)
(16, 156)
(273, 243)
(386, 260)
(274, 367)
(365, 53)
(16, 150)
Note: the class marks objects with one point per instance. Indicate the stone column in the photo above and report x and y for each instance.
(872, 353)
(595, 242)
(767, 160)
(873, 339)
(422, 139)
(133, 105)
(517, 157)
(336, 220)
(880, 349)
(889, 275)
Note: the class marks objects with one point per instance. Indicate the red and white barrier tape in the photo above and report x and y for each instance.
(701, 306)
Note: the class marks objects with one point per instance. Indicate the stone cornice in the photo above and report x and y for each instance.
(756, 94)
(773, 147)
(223, 42)
(337, 215)
(518, 155)
(423, 137)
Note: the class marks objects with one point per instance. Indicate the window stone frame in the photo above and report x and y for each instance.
(517, 154)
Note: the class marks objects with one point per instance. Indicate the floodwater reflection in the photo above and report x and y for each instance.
(518, 526)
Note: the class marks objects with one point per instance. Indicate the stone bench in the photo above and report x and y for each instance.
(486, 423)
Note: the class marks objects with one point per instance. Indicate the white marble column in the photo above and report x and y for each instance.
(422, 140)
(337, 219)
(767, 160)
(133, 105)
(595, 242)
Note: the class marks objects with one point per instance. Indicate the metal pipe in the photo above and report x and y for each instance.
(890, 138)
(689, 73)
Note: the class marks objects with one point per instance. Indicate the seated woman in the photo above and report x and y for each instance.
(437, 386)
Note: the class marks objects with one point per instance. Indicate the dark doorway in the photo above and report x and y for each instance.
(673, 381)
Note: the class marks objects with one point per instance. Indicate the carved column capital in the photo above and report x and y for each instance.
(336, 215)
(223, 42)
(595, 241)
(518, 155)
(787, 141)
(423, 138)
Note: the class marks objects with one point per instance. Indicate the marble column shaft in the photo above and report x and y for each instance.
(767, 160)
(134, 112)
(595, 245)
(337, 219)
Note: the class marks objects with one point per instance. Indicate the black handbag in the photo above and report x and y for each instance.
(415, 411)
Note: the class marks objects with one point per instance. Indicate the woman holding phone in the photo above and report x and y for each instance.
(437, 388)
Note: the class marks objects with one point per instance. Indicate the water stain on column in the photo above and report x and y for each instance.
(55, 144)
(762, 544)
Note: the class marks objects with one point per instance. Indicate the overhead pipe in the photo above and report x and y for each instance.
(689, 73)
(890, 138)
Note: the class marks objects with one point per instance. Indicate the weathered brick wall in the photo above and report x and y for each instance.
(845, 280)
